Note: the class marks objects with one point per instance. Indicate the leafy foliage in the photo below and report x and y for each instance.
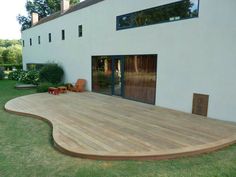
(15, 75)
(7, 43)
(12, 55)
(1, 51)
(43, 7)
(25, 22)
(1, 73)
(26, 77)
(29, 77)
(10, 52)
(11, 66)
(52, 73)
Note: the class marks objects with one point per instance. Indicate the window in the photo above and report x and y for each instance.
(80, 30)
(30, 42)
(39, 41)
(35, 66)
(62, 34)
(23, 43)
(49, 37)
(179, 10)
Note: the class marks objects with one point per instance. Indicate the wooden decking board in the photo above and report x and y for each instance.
(176, 127)
(169, 130)
(95, 126)
(175, 124)
(128, 126)
(115, 135)
(103, 138)
(182, 126)
(103, 142)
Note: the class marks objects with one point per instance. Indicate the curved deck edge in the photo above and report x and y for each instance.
(185, 152)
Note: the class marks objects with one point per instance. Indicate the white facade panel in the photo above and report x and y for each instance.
(194, 56)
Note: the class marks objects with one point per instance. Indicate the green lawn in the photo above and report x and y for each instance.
(26, 149)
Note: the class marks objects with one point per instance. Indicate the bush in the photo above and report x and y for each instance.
(2, 75)
(29, 77)
(43, 87)
(26, 77)
(15, 75)
(51, 73)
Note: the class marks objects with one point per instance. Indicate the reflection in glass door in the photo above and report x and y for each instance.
(107, 75)
(117, 76)
(102, 75)
(131, 76)
(140, 78)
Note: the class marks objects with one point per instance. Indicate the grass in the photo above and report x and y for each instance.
(26, 150)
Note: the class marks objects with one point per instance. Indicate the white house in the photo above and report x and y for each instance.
(175, 54)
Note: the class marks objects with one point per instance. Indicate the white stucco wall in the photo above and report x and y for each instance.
(194, 56)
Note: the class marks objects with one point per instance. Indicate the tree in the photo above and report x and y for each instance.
(1, 52)
(43, 7)
(8, 56)
(10, 52)
(8, 43)
(17, 49)
(12, 55)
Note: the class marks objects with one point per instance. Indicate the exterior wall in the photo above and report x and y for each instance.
(194, 56)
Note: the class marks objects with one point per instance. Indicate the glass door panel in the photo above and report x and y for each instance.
(102, 74)
(140, 78)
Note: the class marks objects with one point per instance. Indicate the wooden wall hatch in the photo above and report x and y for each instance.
(200, 104)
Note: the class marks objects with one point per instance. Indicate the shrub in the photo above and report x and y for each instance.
(15, 75)
(26, 77)
(1, 73)
(43, 87)
(51, 73)
(29, 77)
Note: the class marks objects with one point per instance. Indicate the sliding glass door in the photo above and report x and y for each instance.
(132, 76)
(140, 78)
(102, 74)
(107, 75)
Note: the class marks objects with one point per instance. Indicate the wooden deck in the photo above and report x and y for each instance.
(96, 126)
